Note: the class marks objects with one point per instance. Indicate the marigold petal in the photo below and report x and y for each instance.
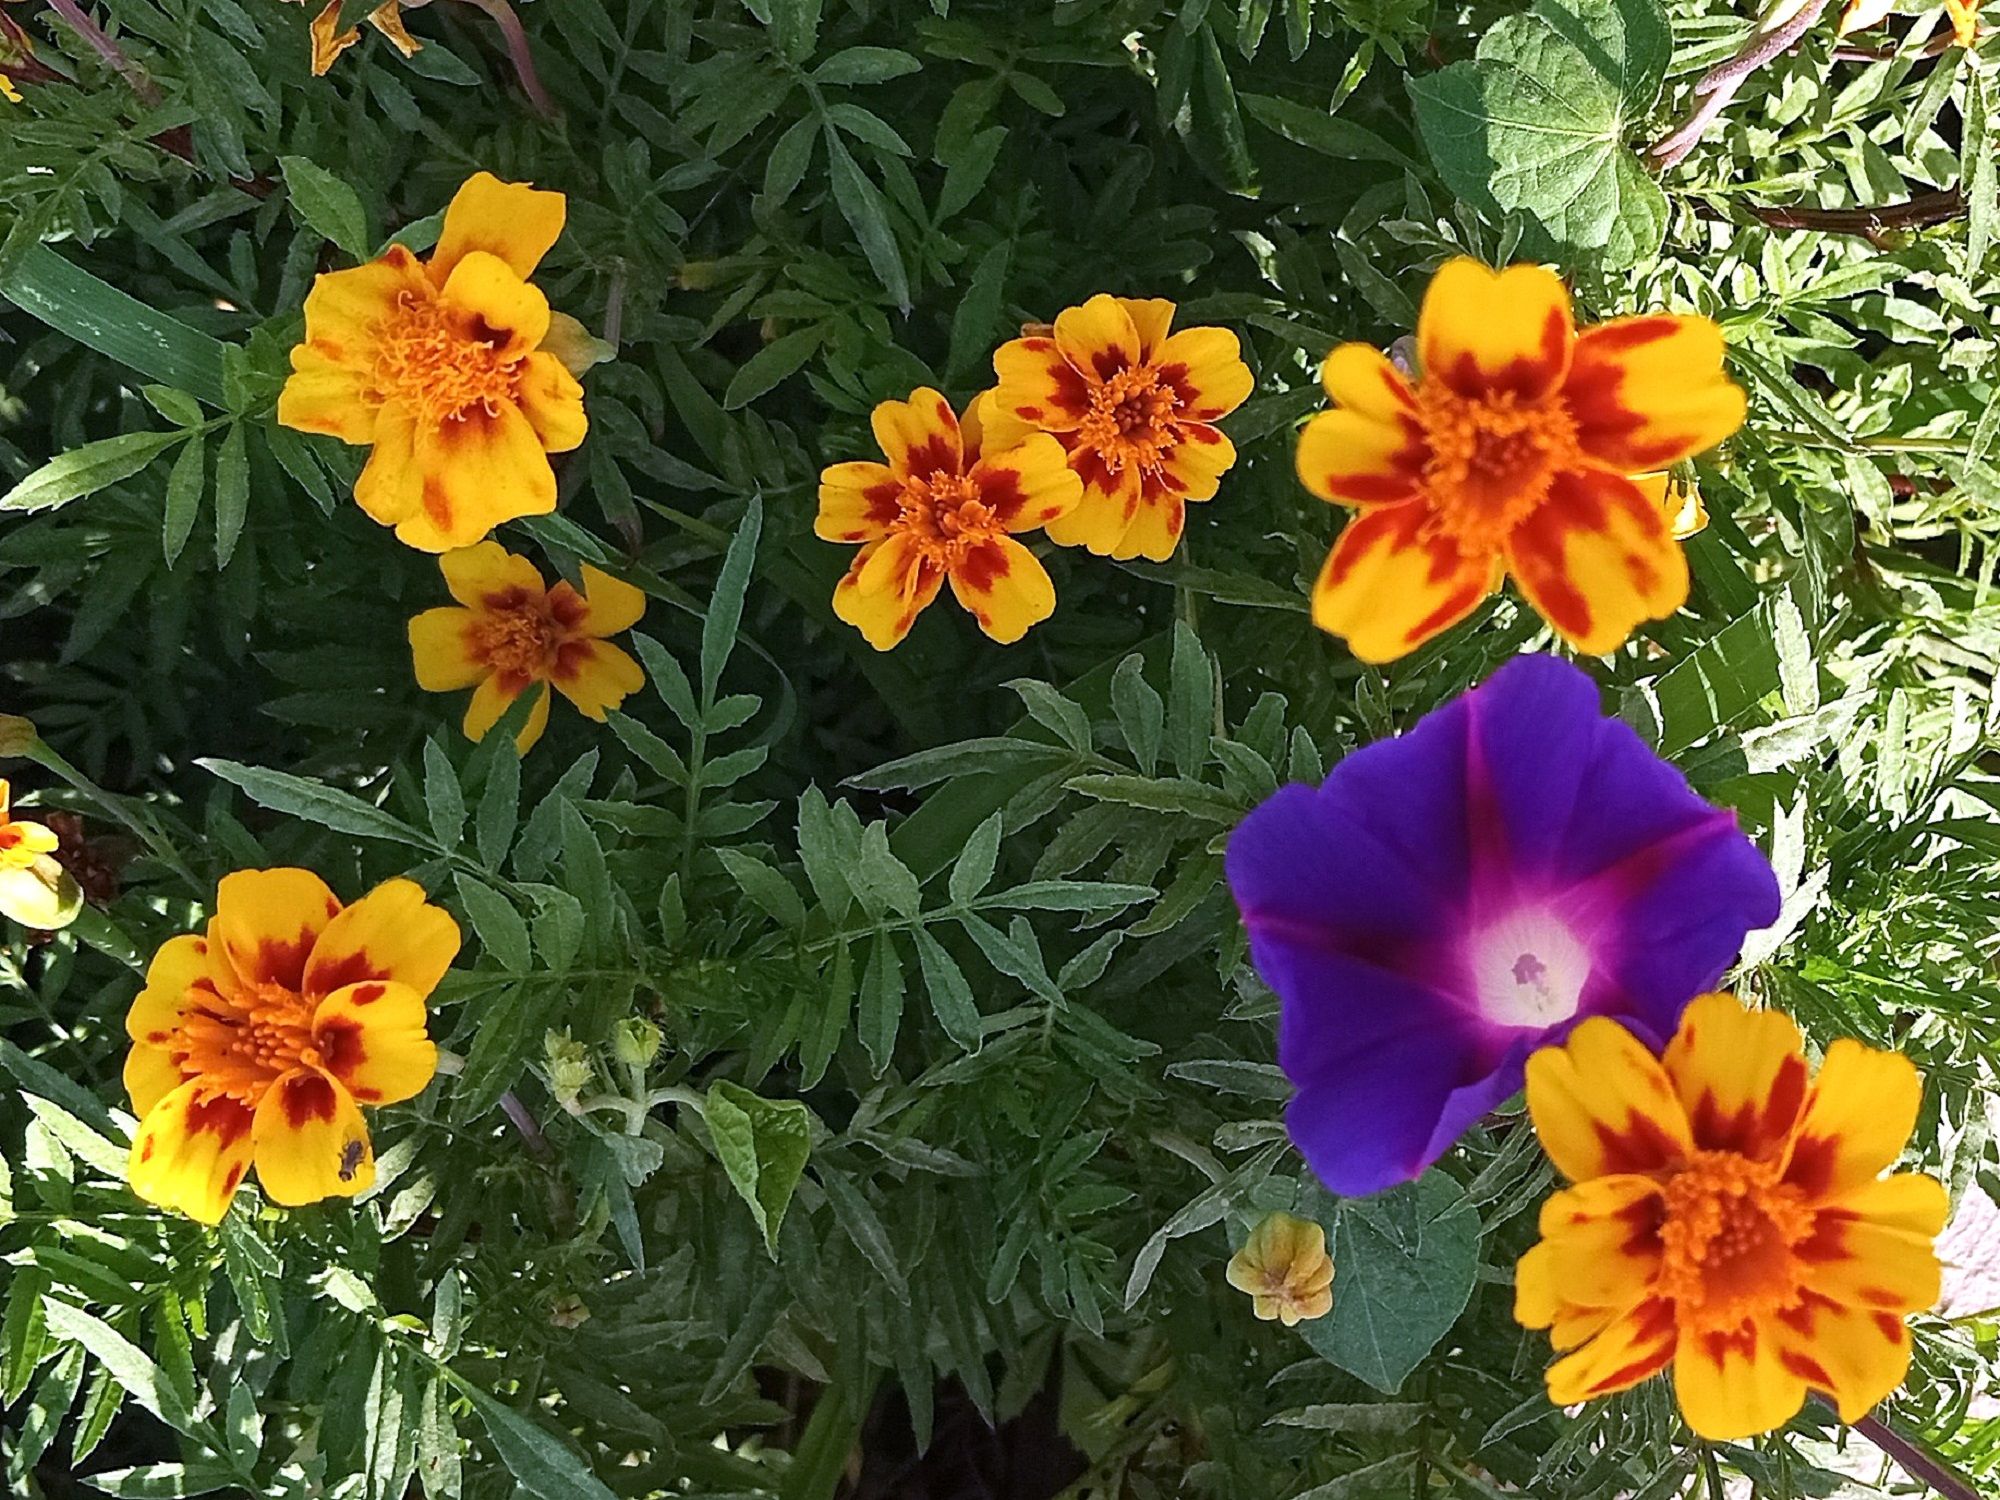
(595, 675)
(1037, 386)
(1741, 1076)
(488, 577)
(326, 396)
(180, 963)
(391, 486)
(1151, 317)
(1005, 587)
(1361, 378)
(1154, 530)
(857, 502)
(1648, 392)
(1193, 467)
(371, 1038)
(1388, 585)
(1860, 15)
(1855, 1356)
(266, 923)
(1603, 1105)
(1355, 459)
(511, 220)
(1100, 519)
(442, 649)
(1736, 1385)
(552, 401)
(609, 604)
(392, 933)
(1856, 1121)
(1483, 331)
(1028, 485)
(884, 590)
(191, 1152)
(1911, 1203)
(1596, 559)
(479, 469)
(1627, 1350)
(346, 309)
(1879, 1267)
(388, 19)
(1205, 368)
(328, 40)
(919, 436)
(491, 700)
(489, 304)
(1600, 1249)
(150, 1075)
(41, 894)
(1098, 338)
(310, 1141)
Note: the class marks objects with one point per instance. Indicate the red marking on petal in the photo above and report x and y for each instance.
(507, 600)
(884, 501)
(935, 455)
(368, 994)
(982, 567)
(437, 504)
(1807, 1369)
(340, 1046)
(349, 968)
(306, 1097)
(1642, 1146)
(1107, 362)
(571, 657)
(222, 1117)
(230, 1178)
(281, 962)
(566, 607)
(1813, 1159)
(1891, 1328)
(1000, 489)
(146, 1149)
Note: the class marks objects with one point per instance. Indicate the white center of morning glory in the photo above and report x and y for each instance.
(1529, 969)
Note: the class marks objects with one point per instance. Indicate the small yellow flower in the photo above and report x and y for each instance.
(8, 91)
(258, 1041)
(329, 41)
(947, 505)
(509, 633)
(1285, 1269)
(1134, 406)
(445, 368)
(35, 890)
(1860, 15)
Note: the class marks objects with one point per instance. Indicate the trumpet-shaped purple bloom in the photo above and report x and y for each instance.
(1449, 901)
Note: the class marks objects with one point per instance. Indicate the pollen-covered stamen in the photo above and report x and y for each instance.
(946, 514)
(1727, 1240)
(1130, 423)
(425, 360)
(518, 642)
(1492, 460)
(240, 1044)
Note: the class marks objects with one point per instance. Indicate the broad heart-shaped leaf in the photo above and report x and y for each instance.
(763, 1145)
(1403, 1266)
(1535, 124)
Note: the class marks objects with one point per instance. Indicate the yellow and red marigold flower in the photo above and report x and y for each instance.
(258, 1041)
(509, 633)
(1510, 455)
(1860, 15)
(947, 504)
(35, 890)
(448, 369)
(1285, 1269)
(1135, 406)
(1728, 1218)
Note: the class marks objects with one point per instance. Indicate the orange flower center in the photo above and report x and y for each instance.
(518, 642)
(1730, 1229)
(1130, 421)
(239, 1044)
(1492, 460)
(946, 515)
(426, 361)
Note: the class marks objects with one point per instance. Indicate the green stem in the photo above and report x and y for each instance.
(1712, 1473)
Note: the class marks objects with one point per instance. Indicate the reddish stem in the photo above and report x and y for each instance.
(520, 53)
(104, 47)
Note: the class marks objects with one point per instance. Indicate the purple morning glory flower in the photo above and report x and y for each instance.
(1449, 901)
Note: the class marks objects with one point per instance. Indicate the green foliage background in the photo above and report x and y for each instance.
(966, 1089)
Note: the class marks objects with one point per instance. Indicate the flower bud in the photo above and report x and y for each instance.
(635, 1041)
(570, 1072)
(1285, 1269)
